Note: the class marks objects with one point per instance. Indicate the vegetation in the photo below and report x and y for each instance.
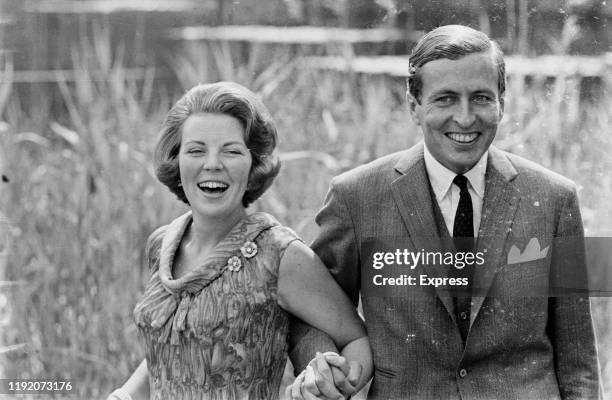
(82, 197)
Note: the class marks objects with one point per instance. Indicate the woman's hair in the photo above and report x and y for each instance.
(452, 42)
(231, 99)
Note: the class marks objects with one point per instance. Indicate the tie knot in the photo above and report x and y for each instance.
(461, 181)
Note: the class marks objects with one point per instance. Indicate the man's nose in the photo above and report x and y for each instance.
(464, 115)
(212, 162)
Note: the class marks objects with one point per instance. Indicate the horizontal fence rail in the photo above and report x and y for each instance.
(291, 34)
(562, 65)
(70, 75)
(115, 6)
(396, 66)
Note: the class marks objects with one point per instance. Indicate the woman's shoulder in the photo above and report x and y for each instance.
(153, 247)
(276, 234)
(155, 238)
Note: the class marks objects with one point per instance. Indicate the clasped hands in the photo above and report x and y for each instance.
(328, 376)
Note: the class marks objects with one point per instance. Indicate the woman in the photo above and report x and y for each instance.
(215, 312)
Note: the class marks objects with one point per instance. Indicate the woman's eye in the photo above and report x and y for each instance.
(233, 152)
(195, 151)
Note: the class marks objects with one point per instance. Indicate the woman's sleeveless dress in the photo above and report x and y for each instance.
(217, 332)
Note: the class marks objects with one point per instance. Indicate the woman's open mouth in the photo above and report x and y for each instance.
(213, 187)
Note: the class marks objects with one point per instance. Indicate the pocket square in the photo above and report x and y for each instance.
(532, 252)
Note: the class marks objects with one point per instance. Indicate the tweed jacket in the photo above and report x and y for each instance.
(518, 346)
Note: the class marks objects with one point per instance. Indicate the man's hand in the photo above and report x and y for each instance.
(327, 377)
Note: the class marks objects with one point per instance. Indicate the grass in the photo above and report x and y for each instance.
(82, 197)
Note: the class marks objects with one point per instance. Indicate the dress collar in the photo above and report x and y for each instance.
(216, 263)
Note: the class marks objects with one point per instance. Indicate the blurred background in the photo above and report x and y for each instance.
(84, 86)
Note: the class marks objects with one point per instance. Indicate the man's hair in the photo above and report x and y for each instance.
(226, 98)
(452, 42)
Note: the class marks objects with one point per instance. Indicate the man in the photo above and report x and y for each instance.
(498, 341)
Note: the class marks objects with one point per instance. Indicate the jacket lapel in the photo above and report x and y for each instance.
(498, 211)
(413, 199)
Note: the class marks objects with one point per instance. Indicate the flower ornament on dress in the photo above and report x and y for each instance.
(249, 249)
(234, 264)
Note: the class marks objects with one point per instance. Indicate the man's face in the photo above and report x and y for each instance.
(459, 109)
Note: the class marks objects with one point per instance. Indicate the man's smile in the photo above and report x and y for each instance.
(463, 138)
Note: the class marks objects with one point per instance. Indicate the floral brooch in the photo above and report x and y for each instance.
(248, 250)
(234, 264)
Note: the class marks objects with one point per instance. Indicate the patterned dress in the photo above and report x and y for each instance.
(217, 332)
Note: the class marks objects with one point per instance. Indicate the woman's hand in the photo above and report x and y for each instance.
(136, 387)
(328, 376)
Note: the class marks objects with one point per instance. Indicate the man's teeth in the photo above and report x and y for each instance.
(463, 137)
(213, 185)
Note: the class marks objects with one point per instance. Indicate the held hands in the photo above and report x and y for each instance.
(327, 377)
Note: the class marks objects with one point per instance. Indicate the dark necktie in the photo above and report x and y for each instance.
(463, 237)
(463, 228)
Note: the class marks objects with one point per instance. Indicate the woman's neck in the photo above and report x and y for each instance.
(207, 231)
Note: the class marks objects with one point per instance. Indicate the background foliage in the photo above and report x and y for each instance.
(82, 198)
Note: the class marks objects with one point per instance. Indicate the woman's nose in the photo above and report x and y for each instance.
(212, 162)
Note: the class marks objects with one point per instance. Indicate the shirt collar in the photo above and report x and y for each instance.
(441, 178)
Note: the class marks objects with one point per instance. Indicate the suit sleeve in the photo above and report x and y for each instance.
(336, 245)
(570, 326)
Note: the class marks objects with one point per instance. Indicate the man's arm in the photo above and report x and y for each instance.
(336, 245)
(570, 326)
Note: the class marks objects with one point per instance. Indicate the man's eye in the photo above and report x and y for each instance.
(444, 100)
(482, 99)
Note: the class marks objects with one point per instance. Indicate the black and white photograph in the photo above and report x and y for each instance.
(306, 199)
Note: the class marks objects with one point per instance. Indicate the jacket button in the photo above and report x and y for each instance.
(462, 373)
(463, 315)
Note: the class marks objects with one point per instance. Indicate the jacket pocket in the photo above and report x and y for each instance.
(385, 372)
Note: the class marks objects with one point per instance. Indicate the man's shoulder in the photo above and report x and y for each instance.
(378, 170)
(534, 175)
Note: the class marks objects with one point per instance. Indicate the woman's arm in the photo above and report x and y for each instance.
(137, 386)
(307, 290)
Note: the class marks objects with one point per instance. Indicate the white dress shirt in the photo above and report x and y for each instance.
(447, 193)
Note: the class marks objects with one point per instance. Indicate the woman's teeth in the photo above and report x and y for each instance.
(213, 186)
(463, 137)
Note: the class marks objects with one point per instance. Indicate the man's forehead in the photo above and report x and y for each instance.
(477, 71)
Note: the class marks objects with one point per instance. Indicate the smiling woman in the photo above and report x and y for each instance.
(224, 98)
(215, 314)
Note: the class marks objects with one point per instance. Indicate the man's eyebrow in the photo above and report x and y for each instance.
(442, 91)
(485, 90)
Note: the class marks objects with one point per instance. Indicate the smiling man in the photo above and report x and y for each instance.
(499, 339)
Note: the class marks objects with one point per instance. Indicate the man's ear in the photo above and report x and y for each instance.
(502, 104)
(412, 107)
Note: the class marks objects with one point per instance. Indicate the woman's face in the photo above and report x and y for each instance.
(214, 164)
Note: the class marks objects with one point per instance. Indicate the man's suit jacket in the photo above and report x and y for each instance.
(518, 347)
